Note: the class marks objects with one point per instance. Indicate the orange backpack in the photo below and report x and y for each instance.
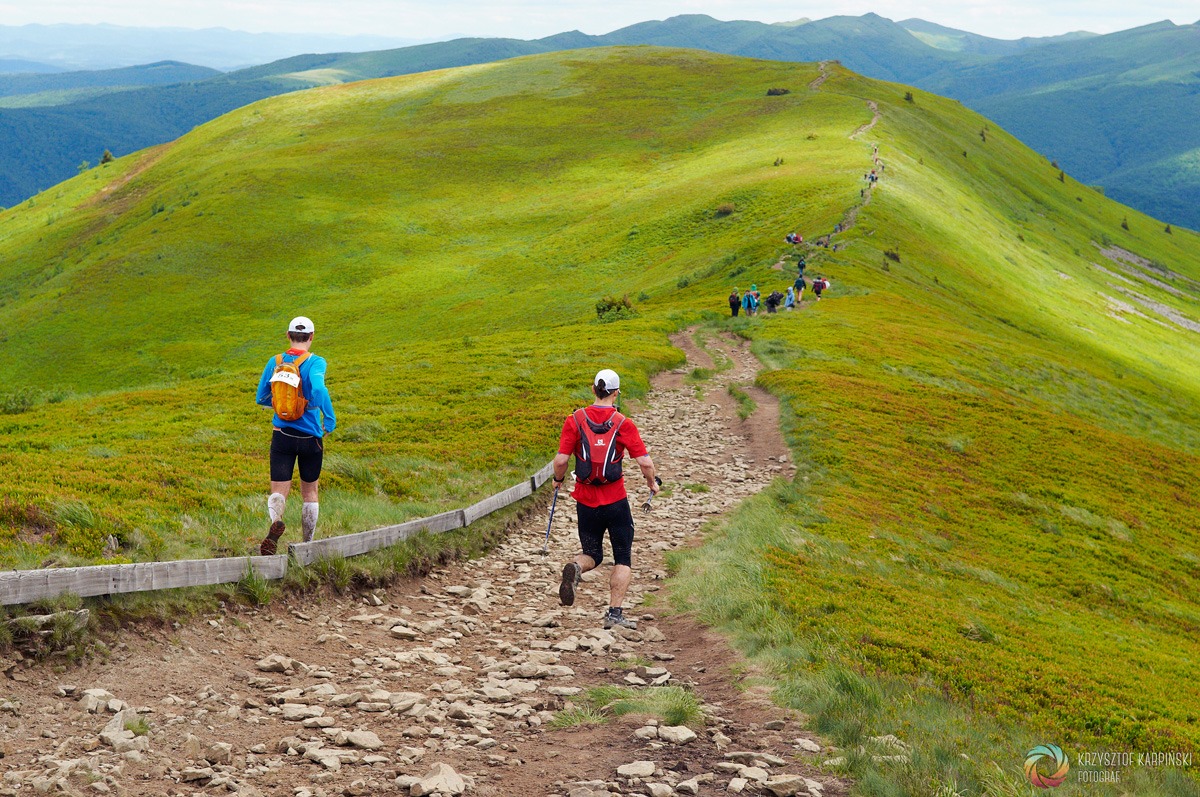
(287, 395)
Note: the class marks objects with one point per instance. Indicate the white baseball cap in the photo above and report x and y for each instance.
(607, 380)
(302, 324)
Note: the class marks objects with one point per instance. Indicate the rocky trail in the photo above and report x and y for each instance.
(455, 683)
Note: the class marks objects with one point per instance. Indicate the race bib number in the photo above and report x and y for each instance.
(287, 378)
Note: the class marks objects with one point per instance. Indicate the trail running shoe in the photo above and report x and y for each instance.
(572, 574)
(611, 620)
(270, 542)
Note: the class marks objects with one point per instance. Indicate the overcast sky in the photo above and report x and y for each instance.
(427, 19)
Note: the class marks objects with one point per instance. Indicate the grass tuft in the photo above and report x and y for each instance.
(576, 717)
(255, 588)
(746, 405)
(674, 705)
(139, 726)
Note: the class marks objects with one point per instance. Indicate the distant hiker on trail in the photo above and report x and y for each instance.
(599, 436)
(293, 384)
(790, 302)
(800, 284)
(802, 264)
(820, 284)
(773, 302)
(750, 300)
(735, 303)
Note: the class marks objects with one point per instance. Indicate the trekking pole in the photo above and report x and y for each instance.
(546, 544)
(646, 506)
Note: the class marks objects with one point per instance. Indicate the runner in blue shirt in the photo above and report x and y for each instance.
(300, 440)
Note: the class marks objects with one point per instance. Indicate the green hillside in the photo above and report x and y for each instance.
(990, 540)
(50, 140)
(394, 212)
(1113, 110)
(1117, 111)
(45, 135)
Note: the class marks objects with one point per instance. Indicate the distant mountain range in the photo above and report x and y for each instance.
(1117, 111)
(66, 48)
(945, 38)
(44, 88)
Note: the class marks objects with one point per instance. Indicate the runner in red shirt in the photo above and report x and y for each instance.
(602, 506)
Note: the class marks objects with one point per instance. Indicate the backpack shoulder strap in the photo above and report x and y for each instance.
(580, 418)
(296, 362)
(581, 444)
(610, 452)
(278, 360)
(617, 420)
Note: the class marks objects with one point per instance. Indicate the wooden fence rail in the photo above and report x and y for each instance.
(26, 586)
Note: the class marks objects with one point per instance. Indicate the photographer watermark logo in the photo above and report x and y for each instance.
(1050, 757)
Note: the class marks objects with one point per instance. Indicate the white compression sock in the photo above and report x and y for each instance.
(308, 519)
(275, 505)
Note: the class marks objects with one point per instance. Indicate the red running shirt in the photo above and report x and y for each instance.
(628, 439)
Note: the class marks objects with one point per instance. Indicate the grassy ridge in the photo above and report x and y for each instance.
(456, 305)
(989, 545)
(1114, 109)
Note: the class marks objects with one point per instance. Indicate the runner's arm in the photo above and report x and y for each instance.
(561, 461)
(647, 466)
(264, 385)
(566, 446)
(320, 396)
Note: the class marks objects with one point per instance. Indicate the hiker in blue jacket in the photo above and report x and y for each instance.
(750, 300)
(300, 440)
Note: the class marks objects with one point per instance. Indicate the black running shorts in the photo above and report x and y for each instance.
(614, 518)
(289, 446)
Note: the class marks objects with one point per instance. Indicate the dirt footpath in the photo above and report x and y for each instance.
(451, 683)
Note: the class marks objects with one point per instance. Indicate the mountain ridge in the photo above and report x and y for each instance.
(1136, 162)
(75, 46)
